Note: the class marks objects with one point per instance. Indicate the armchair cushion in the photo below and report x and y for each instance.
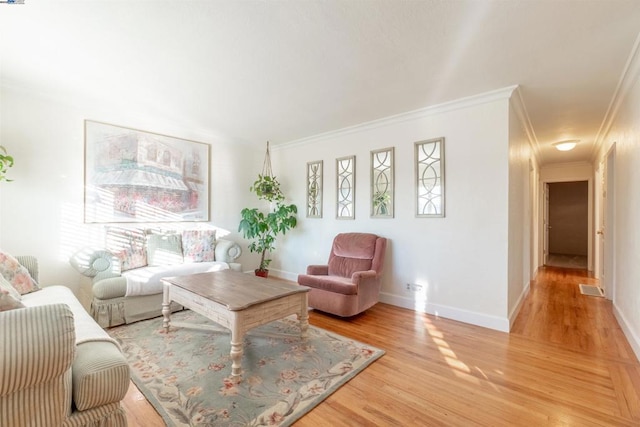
(336, 284)
(351, 252)
(320, 270)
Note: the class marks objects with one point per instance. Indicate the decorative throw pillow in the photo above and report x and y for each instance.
(16, 274)
(6, 287)
(128, 245)
(199, 245)
(164, 249)
(8, 302)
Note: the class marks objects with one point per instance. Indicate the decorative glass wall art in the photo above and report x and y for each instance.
(314, 189)
(137, 176)
(429, 156)
(346, 187)
(382, 183)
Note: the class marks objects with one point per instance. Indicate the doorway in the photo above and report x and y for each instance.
(568, 224)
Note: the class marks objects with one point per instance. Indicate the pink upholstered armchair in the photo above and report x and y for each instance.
(350, 283)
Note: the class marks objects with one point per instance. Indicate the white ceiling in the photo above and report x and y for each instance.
(257, 70)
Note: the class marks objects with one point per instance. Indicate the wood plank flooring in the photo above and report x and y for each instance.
(565, 363)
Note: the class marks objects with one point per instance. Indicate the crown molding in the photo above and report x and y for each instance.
(627, 80)
(470, 101)
(523, 116)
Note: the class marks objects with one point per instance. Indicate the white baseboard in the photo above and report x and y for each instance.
(633, 339)
(516, 309)
(453, 313)
(284, 275)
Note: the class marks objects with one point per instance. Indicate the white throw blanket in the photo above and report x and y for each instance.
(86, 328)
(147, 280)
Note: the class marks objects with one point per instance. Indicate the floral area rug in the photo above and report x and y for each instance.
(185, 373)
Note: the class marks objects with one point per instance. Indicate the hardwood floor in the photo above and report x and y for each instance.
(566, 362)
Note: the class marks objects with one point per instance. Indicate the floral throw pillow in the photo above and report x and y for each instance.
(8, 301)
(16, 274)
(6, 287)
(199, 245)
(128, 245)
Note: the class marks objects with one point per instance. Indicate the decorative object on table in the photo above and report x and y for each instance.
(350, 282)
(314, 189)
(382, 184)
(346, 187)
(429, 157)
(185, 374)
(263, 227)
(137, 176)
(6, 162)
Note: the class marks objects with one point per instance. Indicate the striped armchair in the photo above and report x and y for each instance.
(57, 366)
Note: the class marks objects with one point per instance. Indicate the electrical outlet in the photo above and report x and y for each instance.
(414, 287)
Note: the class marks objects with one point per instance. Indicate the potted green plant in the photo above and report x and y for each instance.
(6, 161)
(264, 227)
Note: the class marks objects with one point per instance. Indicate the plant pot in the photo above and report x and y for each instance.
(262, 273)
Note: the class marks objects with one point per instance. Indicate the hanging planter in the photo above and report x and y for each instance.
(267, 186)
(264, 227)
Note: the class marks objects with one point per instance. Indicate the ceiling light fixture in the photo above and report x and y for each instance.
(565, 145)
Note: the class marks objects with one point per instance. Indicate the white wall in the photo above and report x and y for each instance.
(460, 260)
(520, 211)
(41, 212)
(625, 133)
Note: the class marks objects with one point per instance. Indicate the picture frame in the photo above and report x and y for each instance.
(346, 187)
(314, 189)
(429, 178)
(138, 176)
(382, 183)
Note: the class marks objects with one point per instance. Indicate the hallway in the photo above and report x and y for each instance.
(555, 312)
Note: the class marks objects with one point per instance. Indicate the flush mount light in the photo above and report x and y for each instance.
(565, 145)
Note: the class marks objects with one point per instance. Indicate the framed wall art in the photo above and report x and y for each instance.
(137, 176)
(346, 187)
(429, 158)
(314, 189)
(382, 185)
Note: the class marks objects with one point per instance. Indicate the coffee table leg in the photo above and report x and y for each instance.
(166, 310)
(236, 351)
(303, 317)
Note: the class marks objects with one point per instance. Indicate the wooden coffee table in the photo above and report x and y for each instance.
(236, 301)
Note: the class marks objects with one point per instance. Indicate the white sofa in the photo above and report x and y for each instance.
(57, 366)
(122, 295)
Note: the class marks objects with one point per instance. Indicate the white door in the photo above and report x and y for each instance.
(545, 225)
(600, 236)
